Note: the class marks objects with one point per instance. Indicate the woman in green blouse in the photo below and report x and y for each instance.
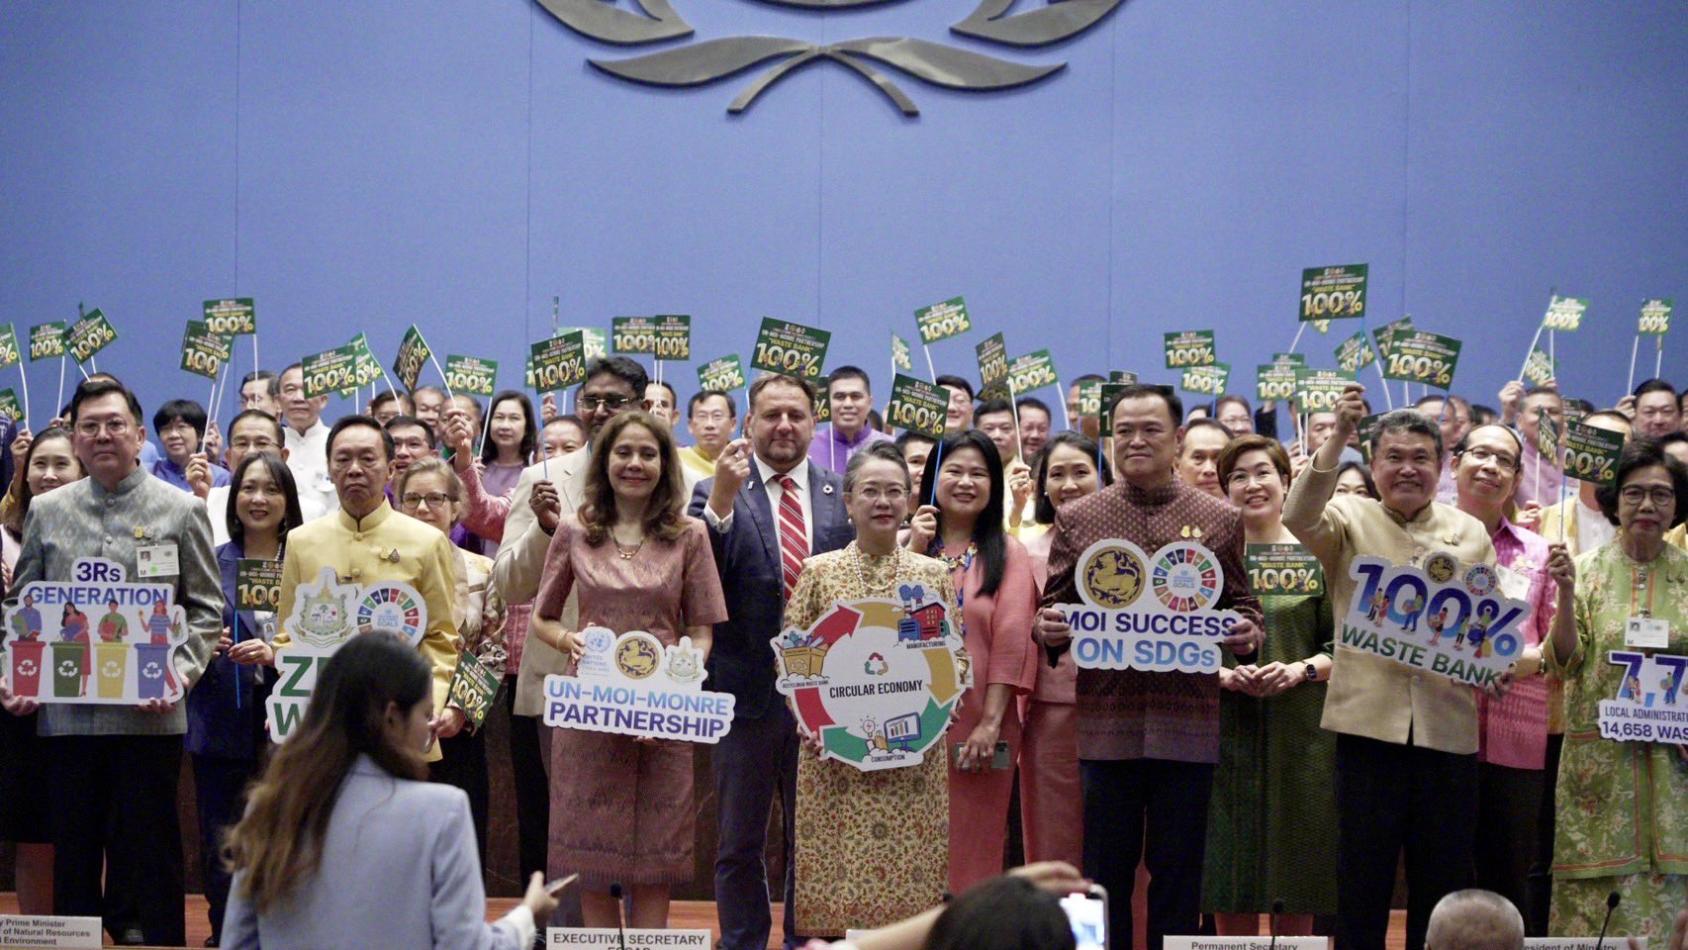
(1622, 805)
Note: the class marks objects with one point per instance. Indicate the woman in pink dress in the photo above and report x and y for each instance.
(622, 808)
(963, 526)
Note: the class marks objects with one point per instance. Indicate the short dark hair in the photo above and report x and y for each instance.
(268, 376)
(1482, 414)
(98, 387)
(703, 394)
(1032, 402)
(849, 372)
(771, 379)
(292, 514)
(1676, 437)
(1043, 510)
(1611, 414)
(1088, 378)
(1639, 454)
(1003, 913)
(186, 410)
(280, 436)
(1230, 398)
(1207, 422)
(367, 422)
(673, 394)
(1465, 440)
(1654, 385)
(883, 451)
(409, 422)
(1166, 394)
(430, 388)
(1407, 420)
(909, 435)
(991, 405)
(382, 398)
(627, 370)
(570, 419)
(956, 382)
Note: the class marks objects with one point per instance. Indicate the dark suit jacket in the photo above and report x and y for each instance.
(747, 555)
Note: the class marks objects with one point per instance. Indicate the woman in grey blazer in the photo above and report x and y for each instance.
(345, 843)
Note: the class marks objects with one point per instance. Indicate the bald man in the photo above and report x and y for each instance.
(1475, 920)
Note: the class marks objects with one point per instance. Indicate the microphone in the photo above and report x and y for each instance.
(1611, 905)
(1278, 908)
(621, 926)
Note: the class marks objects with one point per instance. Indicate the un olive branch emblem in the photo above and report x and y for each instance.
(939, 64)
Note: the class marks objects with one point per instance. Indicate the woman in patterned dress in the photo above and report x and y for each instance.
(1622, 805)
(870, 847)
(622, 808)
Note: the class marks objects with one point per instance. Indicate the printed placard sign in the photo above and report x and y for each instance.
(631, 684)
(413, 354)
(673, 333)
(257, 584)
(10, 356)
(9, 405)
(1422, 357)
(1090, 398)
(366, 368)
(1317, 390)
(942, 320)
(558, 362)
(57, 933)
(90, 335)
(1206, 380)
(632, 335)
(237, 316)
(329, 371)
(1329, 293)
(47, 340)
(1649, 706)
(1119, 626)
(1274, 381)
(1122, 376)
(1591, 453)
(595, 340)
(790, 348)
(1189, 348)
(1283, 569)
(70, 641)
(1576, 943)
(1539, 367)
(876, 678)
(473, 689)
(992, 353)
(599, 938)
(1547, 438)
(1445, 617)
(1289, 359)
(823, 403)
(1385, 335)
(327, 613)
(203, 351)
(917, 405)
(1032, 371)
(1355, 353)
(901, 359)
(1565, 314)
(471, 374)
(1246, 943)
(724, 373)
(1104, 407)
(1655, 316)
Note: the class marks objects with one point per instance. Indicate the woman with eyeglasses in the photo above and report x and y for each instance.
(870, 847)
(997, 594)
(1049, 781)
(49, 462)
(1271, 829)
(430, 492)
(226, 740)
(1623, 805)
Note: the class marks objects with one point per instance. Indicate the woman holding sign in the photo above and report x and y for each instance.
(998, 598)
(622, 808)
(1271, 828)
(1623, 779)
(225, 737)
(871, 847)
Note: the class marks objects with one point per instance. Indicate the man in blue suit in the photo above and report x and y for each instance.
(767, 508)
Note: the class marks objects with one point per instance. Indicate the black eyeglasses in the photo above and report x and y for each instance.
(612, 403)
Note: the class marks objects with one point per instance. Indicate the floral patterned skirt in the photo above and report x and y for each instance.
(1649, 907)
(871, 847)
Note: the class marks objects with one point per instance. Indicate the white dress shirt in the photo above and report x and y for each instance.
(307, 459)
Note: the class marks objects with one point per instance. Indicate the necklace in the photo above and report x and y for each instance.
(868, 584)
(621, 550)
(962, 561)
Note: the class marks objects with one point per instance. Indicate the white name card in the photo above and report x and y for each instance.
(1613, 942)
(1246, 943)
(608, 938)
(59, 933)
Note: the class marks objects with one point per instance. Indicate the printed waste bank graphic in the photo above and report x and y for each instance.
(97, 639)
(1148, 613)
(876, 678)
(325, 615)
(632, 685)
(1649, 706)
(1443, 617)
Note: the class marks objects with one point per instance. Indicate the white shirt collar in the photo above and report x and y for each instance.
(800, 474)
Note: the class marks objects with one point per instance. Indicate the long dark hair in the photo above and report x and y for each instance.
(1003, 913)
(279, 842)
(665, 515)
(293, 517)
(988, 535)
(1043, 510)
(530, 431)
(19, 490)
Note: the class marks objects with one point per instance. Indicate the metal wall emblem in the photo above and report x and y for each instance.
(937, 63)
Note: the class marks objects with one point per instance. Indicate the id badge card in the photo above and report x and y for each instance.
(156, 560)
(1647, 633)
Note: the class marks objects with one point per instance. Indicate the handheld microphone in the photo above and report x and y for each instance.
(1611, 905)
(1278, 908)
(620, 924)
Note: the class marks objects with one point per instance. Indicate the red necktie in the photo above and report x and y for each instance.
(793, 546)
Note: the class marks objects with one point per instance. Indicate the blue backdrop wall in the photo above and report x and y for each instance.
(456, 163)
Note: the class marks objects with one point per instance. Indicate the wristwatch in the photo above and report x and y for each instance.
(1312, 673)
